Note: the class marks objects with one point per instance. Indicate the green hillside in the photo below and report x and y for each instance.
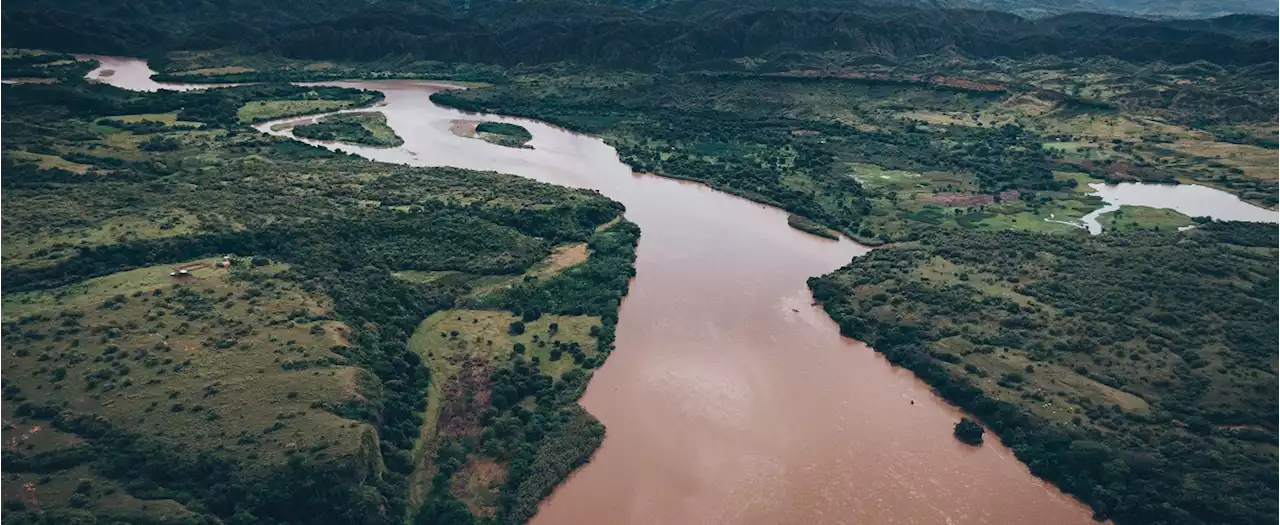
(147, 379)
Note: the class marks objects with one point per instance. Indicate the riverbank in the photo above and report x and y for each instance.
(1082, 356)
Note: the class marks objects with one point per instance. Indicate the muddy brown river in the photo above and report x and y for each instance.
(731, 398)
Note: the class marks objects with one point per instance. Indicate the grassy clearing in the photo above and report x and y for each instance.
(15, 52)
(1082, 180)
(47, 162)
(873, 176)
(477, 328)
(1130, 218)
(1252, 161)
(91, 492)
(105, 124)
(1070, 146)
(92, 292)
(207, 71)
(164, 118)
(1047, 218)
(903, 200)
(261, 110)
(46, 243)
(562, 257)
(431, 277)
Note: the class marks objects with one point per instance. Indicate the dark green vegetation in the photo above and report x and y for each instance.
(674, 34)
(509, 135)
(283, 389)
(808, 226)
(1136, 371)
(368, 128)
(969, 431)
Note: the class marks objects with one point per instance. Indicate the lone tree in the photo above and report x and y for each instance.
(516, 328)
(969, 432)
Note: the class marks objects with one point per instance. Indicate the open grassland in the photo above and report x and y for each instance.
(182, 359)
(163, 118)
(1133, 348)
(225, 359)
(263, 110)
(1129, 218)
(487, 334)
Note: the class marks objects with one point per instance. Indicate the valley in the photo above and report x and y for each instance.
(498, 263)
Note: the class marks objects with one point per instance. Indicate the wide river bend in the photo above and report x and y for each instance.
(731, 398)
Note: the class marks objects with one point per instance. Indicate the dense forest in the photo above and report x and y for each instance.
(111, 197)
(1135, 371)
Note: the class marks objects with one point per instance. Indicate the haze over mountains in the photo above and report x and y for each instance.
(650, 34)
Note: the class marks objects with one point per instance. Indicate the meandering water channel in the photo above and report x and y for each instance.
(731, 398)
(1191, 200)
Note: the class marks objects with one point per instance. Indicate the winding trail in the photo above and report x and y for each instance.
(731, 399)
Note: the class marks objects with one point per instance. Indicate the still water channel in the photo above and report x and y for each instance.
(1191, 200)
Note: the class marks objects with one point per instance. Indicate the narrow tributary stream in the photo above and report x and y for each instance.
(731, 398)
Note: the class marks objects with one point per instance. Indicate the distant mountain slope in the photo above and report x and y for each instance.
(544, 31)
(1187, 8)
(1161, 9)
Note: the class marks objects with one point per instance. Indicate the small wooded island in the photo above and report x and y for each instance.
(502, 134)
(509, 135)
(969, 431)
(367, 128)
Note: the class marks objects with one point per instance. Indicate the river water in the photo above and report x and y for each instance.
(1191, 200)
(731, 398)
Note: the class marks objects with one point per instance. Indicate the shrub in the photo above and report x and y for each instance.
(968, 431)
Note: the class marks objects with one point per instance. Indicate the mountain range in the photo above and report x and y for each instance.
(635, 34)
